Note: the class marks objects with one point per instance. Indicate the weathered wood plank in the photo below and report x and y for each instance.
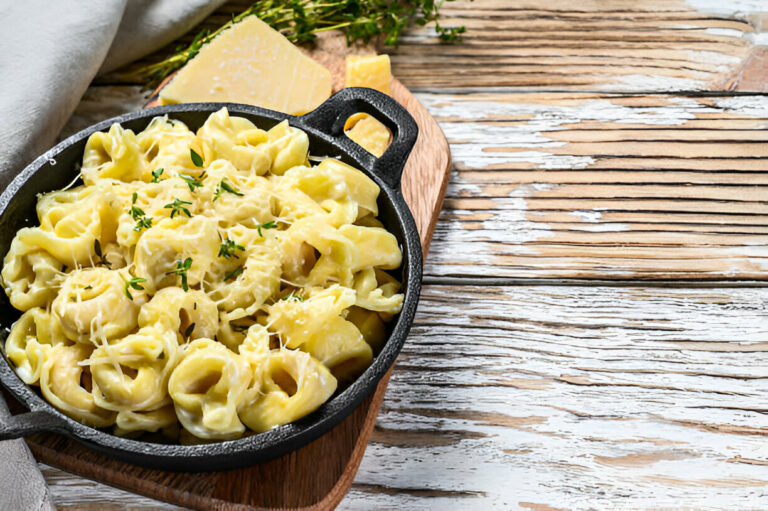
(568, 397)
(603, 186)
(562, 397)
(607, 46)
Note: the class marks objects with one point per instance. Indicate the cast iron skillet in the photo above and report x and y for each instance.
(325, 127)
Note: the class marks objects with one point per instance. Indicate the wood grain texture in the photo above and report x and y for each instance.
(568, 397)
(563, 185)
(318, 475)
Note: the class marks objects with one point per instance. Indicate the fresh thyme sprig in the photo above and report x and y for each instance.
(267, 225)
(192, 181)
(142, 220)
(293, 297)
(97, 251)
(301, 20)
(134, 283)
(182, 267)
(228, 248)
(224, 186)
(156, 174)
(178, 207)
(234, 273)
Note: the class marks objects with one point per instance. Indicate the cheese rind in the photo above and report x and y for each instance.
(254, 64)
(370, 71)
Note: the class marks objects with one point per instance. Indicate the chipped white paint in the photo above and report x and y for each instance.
(511, 237)
(754, 105)
(725, 32)
(477, 145)
(725, 63)
(575, 397)
(738, 9)
(659, 83)
(548, 116)
(587, 215)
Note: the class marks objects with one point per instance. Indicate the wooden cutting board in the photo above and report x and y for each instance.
(318, 475)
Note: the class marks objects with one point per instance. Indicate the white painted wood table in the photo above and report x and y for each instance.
(593, 330)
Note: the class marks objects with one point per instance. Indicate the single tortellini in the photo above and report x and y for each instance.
(129, 422)
(362, 189)
(370, 325)
(300, 320)
(250, 275)
(29, 343)
(288, 147)
(315, 325)
(162, 252)
(337, 254)
(192, 314)
(206, 387)
(290, 385)
(237, 140)
(165, 144)
(325, 188)
(378, 291)
(30, 277)
(96, 304)
(68, 213)
(66, 385)
(72, 240)
(132, 373)
(341, 348)
(115, 154)
(236, 198)
(375, 247)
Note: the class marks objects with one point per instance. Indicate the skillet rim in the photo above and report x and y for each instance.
(279, 440)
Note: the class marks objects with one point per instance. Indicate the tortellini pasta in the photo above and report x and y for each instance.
(201, 284)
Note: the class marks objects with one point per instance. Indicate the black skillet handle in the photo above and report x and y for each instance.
(329, 118)
(17, 426)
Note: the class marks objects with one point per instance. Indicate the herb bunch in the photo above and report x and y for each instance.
(301, 20)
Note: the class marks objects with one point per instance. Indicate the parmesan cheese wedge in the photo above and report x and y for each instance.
(254, 64)
(370, 71)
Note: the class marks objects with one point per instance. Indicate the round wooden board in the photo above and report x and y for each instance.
(318, 475)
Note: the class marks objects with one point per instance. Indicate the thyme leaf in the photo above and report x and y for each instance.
(196, 158)
(192, 181)
(228, 248)
(156, 175)
(224, 186)
(178, 207)
(268, 225)
(134, 283)
(234, 273)
(182, 267)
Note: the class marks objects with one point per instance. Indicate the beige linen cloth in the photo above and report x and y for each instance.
(50, 50)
